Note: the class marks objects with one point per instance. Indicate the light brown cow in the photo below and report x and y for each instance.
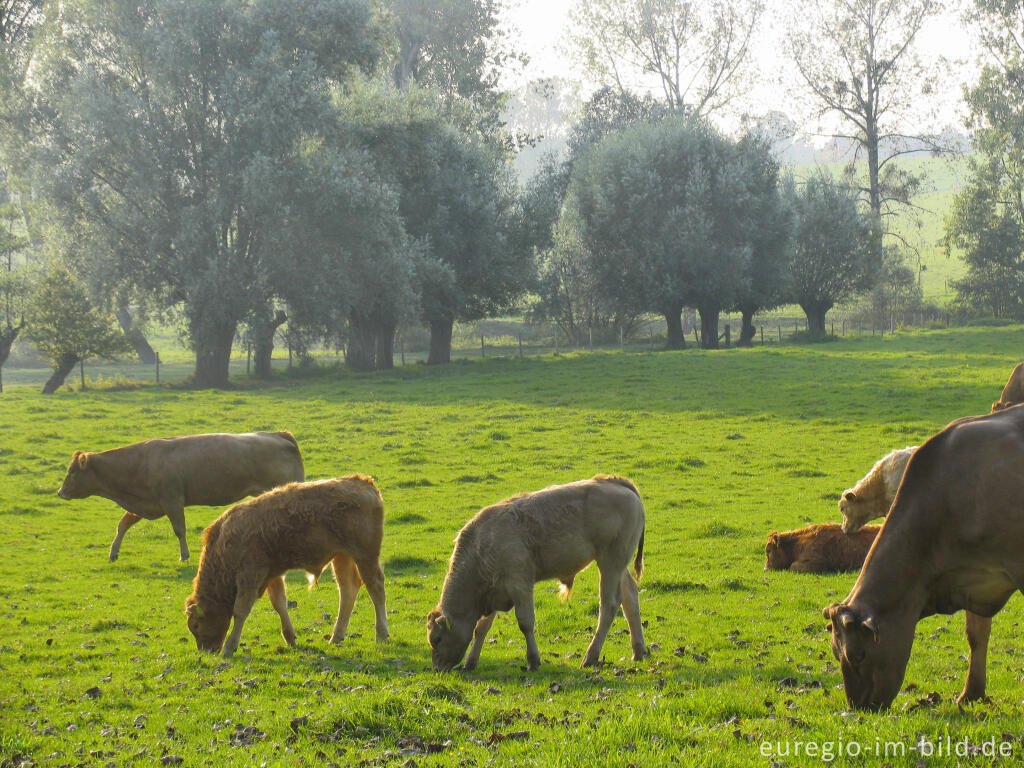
(248, 549)
(872, 496)
(822, 548)
(952, 541)
(161, 477)
(1013, 392)
(549, 534)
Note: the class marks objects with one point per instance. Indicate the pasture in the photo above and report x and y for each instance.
(97, 667)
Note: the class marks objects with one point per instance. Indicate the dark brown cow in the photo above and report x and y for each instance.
(161, 477)
(248, 549)
(822, 548)
(1013, 392)
(951, 542)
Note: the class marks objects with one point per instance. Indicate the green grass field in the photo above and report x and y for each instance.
(97, 667)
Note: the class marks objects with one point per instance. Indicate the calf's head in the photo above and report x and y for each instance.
(207, 627)
(872, 655)
(78, 480)
(776, 556)
(448, 640)
(856, 509)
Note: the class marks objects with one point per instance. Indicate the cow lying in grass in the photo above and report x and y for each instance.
(161, 477)
(248, 549)
(820, 548)
(871, 498)
(951, 541)
(549, 534)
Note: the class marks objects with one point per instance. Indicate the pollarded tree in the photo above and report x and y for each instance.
(834, 251)
(662, 207)
(67, 327)
(176, 129)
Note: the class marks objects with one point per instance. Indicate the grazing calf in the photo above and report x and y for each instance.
(951, 542)
(549, 534)
(819, 549)
(161, 477)
(871, 498)
(1013, 392)
(304, 526)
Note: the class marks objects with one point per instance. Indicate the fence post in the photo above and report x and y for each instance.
(520, 346)
(483, 352)
(401, 347)
(248, 357)
(81, 372)
(590, 332)
(780, 332)
(157, 367)
(621, 343)
(650, 330)
(762, 335)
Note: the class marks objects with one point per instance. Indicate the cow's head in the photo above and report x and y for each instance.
(856, 511)
(872, 654)
(77, 482)
(776, 557)
(209, 628)
(448, 640)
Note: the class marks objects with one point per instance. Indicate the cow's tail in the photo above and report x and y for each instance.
(313, 578)
(638, 561)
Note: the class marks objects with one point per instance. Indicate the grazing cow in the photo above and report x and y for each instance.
(248, 549)
(1013, 392)
(161, 477)
(871, 498)
(820, 548)
(549, 534)
(952, 541)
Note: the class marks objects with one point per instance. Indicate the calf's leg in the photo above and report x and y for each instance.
(527, 619)
(611, 599)
(978, 629)
(631, 610)
(479, 635)
(278, 596)
(126, 522)
(244, 600)
(177, 518)
(373, 577)
(347, 577)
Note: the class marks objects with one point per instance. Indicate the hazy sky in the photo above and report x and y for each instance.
(542, 26)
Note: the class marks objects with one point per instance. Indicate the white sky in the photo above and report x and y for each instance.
(543, 25)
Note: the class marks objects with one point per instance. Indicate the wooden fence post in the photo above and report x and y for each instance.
(520, 346)
(157, 367)
(762, 335)
(483, 351)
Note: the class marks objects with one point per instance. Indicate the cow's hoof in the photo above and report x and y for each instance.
(592, 663)
(640, 655)
(383, 638)
(113, 557)
(337, 639)
(469, 666)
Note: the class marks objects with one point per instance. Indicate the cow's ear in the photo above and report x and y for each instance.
(82, 459)
(773, 537)
(829, 611)
(849, 496)
(871, 625)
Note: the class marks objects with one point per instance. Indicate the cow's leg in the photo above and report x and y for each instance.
(126, 522)
(346, 575)
(631, 610)
(611, 599)
(479, 635)
(245, 597)
(373, 577)
(527, 619)
(278, 596)
(978, 629)
(177, 518)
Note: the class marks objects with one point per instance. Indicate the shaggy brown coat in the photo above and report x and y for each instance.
(820, 548)
(872, 496)
(248, 549)
(1013, 392)
(549, 534)
(161, 477)
(951, 541)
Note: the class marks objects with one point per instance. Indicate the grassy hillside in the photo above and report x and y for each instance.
(97, 666)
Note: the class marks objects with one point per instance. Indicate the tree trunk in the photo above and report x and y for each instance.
(816, 318)
(7, 339)
(674, 327)
(213, 357)
(135, 337)
(64, 366)
(361, 351)
(440, 341)
(385, 345)
(747, 329)
(709, 327)
(263, 329)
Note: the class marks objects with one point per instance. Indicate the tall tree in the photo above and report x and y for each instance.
(859, 61)
(67, 327)
(695, 51)
(834, 251)
(176, 130)
(986, 220)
